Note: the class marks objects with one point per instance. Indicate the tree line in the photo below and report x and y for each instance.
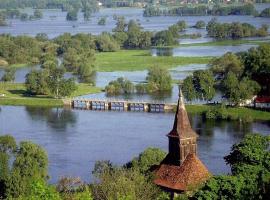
(201, 10)
(238, 76)
(158, 80)
(127, 35)
(17, 14)
(24, 175)
(44, 4)
(234, 30)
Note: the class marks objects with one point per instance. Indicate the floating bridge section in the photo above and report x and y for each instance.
(119, 105)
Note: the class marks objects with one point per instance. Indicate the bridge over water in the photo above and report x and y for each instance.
(119, 105)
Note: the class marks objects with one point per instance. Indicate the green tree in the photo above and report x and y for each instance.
(200, 24)
(58, 86)
(86, 70)
(257, 66)
(188, 89)
(252, 150)
(250, 179)
(24, 17)
(120, 37)
(133, 32)
(265, 13)
(30, 164)
(229, 62)
(230, 87)
(38, 14)
(120, 183)
(102, 21)
(106, 43)
(7, 147)
(120, 24)
(120, 86)
(147, 159)
(36, 82)
(140, 88)
(42, 37)
(9, 75)
(164, 38)
(71, 60)
(39, 189)
(181, 25)
(2, 19)
(203, 81)
(72, 15)
(159, 79)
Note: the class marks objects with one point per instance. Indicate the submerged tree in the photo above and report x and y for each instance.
(9, 75)
(158, 79)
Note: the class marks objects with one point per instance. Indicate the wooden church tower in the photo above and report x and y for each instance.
(181, 169)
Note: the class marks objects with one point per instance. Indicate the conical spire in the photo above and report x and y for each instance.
(181, 127)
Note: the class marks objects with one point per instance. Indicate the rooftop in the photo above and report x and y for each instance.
(180, 178)
(262, 99)
(181, 126)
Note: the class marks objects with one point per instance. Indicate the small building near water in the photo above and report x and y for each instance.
(262, 102)
(181, 170)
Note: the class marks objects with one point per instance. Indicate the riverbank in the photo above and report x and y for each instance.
(236, 113)
(227, 43)
(137, 60)
(14, 94)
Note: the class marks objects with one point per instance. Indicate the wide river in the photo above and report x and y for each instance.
(54, 22)
(76, 139)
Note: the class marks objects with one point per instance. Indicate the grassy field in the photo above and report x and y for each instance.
(237, 112)
(135, 60)
(84, 88)
(15, 95)
(226, 43)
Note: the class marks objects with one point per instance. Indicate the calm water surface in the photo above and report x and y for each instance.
(54, 22)
(75, 139)
(195, 51)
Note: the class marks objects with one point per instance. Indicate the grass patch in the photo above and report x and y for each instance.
(136, 60)
(22, 65)
(31, 101)
(84, 88)
(14, 94)
(226, 43)
(239, 112)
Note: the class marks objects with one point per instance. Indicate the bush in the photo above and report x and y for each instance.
(126, 184)
(210, 114)
(140, 88)
(119, 86)
(147, 159)
(200, 24)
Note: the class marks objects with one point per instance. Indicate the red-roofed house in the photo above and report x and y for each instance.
(262, 102)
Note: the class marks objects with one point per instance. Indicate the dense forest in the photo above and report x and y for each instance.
(24, 175)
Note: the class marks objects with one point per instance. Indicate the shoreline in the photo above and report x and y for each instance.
(238, 112)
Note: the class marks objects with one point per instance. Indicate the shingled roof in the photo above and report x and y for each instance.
(181, 169)
(181, 126)
(180, 178)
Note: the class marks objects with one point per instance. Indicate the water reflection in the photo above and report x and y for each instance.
(194, 51)
(75, 139)
(56, 118)
(162, 51)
